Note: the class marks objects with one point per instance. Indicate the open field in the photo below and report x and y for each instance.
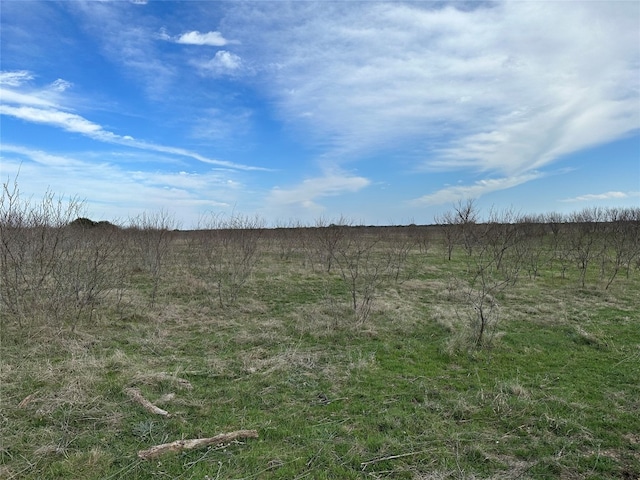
(353, 352)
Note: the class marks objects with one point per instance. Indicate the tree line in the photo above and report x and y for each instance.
(59, 267)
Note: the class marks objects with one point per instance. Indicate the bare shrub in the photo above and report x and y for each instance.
(622, 245)
(398, 243)
(559, 245)
(532, 246)
(362, 267)
(53, 271)
(326, 236)
(225, 251)
(151, 240)
(493, 265)
(585, 238)
(92, 266)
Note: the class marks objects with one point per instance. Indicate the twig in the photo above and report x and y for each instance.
(390, 457)
(136, 396)
(26, 400)
(163, 376)
(180, 445)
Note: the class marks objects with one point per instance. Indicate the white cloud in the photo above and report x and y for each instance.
(16, 91)
(481, 187)
(213, 39)
(18, 98)
(188, 195)
(306, 193)
(602, 196)
(67, 121)
(32, 108)
(223, 62)
(61, 85)
(499, 87)
(15, 78)
(227, 60)
(127, 43)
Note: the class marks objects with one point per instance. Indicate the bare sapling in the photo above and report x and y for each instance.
(449, 231)
(466, 216)
(501, 234)
(362, 268)
(492, 267)
(560, 252)
(585, 239)
(93, 266)
(227, 252)
(33, 238)
(533, 247)
(327, 235)
(621, 242)
(398, 245)
(151, 242)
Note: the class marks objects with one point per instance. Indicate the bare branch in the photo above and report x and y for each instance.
(180, 445)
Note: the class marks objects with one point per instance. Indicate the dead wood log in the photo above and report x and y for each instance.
(137, 397)
(191, 444)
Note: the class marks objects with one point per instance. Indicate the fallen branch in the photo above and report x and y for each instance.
(137, 397)
(180, 445)
(163, 377)
(364, 465)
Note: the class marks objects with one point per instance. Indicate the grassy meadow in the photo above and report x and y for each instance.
(353, 352)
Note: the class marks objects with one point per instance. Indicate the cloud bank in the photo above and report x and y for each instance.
(505, 88)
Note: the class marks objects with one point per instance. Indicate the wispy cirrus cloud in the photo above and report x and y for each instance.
(189, 194)
(130, 45)
(35, 106)
(307, 193)
(505, 88)
(478, 189)
(590, 197)
(15, 78)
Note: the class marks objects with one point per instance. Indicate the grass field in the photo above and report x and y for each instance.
(392, 388)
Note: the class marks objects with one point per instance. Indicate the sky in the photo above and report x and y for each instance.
(298, 112)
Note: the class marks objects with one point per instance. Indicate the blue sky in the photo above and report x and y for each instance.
(384, 113)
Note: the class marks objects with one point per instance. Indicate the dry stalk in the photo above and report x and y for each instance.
(137, 397)
(26, 400)
(163, 376)
(180, 445)
(364, 465)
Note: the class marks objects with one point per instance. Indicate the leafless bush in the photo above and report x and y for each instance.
(226, 251)
(52, 272)
(585, 239)
(151, 241)
(362, 267)
(92, 266)
(398, 248)
(324, 238)
(459, 225)
(621, 242)
(493, 266)
(532, 246)
(560, 252)
(500, 236)
(289, 239)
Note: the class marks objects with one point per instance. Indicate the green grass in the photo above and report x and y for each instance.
(556, 396)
